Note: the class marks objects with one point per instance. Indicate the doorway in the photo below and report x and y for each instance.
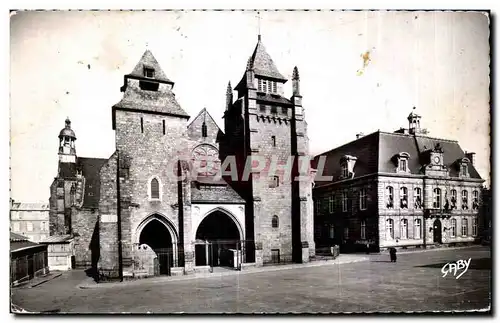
(437, 231)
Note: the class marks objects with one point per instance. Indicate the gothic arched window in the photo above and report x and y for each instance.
(155, 189)
(275, 221)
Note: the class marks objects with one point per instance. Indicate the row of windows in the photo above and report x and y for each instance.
(418, 228)
(363, 197)
(451, 204)
(16, 226)
(346, 231)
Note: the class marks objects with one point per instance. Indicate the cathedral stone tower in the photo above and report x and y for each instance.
(265, 125)
(150, 131)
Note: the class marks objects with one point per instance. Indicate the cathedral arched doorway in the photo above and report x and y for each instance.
(222, 235)
(159, 234)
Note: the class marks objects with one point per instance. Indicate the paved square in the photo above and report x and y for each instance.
(414, 283)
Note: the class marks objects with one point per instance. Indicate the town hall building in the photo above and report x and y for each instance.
(142, 212)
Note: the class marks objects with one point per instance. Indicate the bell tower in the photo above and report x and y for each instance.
(67, 138)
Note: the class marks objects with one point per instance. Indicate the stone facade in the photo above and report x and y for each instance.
(403, 187)
(108, 206)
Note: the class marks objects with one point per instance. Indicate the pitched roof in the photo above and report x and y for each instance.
(22, 206)
(219, 192)
(161, 101)
(17, 237)
(263, 64)
(90, 168)
(149, 61)
(57, 239)
(375, 153)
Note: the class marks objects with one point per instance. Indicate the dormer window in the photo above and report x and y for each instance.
(345, 170)
(463, 167)
(149, 72)
(401, 160)
(347, 166)
(267, 86)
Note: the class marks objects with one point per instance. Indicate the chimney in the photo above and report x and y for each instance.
(359, 135)
(470, 156)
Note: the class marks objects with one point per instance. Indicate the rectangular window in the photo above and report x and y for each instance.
(453, 228)
(262, 108)
(474, 227)
(465, 200)
(464, 227)
(475, 200)
(163, 121)
(403, 165)
(273, 140)
(464, 169)
(261, 85)
(17, 227)
(269, 86)
(453, 199)
(418, 198)
(362, 199)
(330, 203)
(346, 233)
(275, 87)
(345, 170)
(437, 198)
(29, 226)
(284, 110)
(274, 182)
(404, 229)
(274, 109)
(363, 230)
(344, 201)
(403, 198)
(390, 197)
(332, 231)
(418, 229)
(142, 125)
(390, 228)
(149, 72)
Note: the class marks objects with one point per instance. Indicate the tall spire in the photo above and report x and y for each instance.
(229, 96)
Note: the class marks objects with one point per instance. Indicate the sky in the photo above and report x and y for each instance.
(360, 72)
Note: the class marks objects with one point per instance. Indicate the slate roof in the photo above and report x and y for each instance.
(375, 152)
(161, 101)
(272, 98)
(67, 170)
(219, 192)
(90, 168)
(57, 239)
(17, 237)
(21, 206)
(263, 64)
(19, 242)
(149, 61)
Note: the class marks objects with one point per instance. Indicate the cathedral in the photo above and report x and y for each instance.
(147, 210)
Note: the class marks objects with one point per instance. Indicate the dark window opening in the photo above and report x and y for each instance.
(275, 256)
(204, 130)
(284, 110)
(262, 108)
(155, 189)
(274, 109)
(149, 86)
(149, 72)
(142, 125)
(163, 126)
(273, 139)
(275, 222)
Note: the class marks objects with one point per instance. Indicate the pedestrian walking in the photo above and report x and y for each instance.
(392, 252)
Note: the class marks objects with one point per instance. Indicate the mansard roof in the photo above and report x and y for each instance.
(149, 61)
(90, 168)
(375, 154)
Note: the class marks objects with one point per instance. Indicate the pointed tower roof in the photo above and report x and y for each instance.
(263, 64)
(149, 61)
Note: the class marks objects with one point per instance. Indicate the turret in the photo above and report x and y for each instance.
(229, 96)
(67, 138)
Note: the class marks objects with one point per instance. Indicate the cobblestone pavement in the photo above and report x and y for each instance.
(414, 283)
